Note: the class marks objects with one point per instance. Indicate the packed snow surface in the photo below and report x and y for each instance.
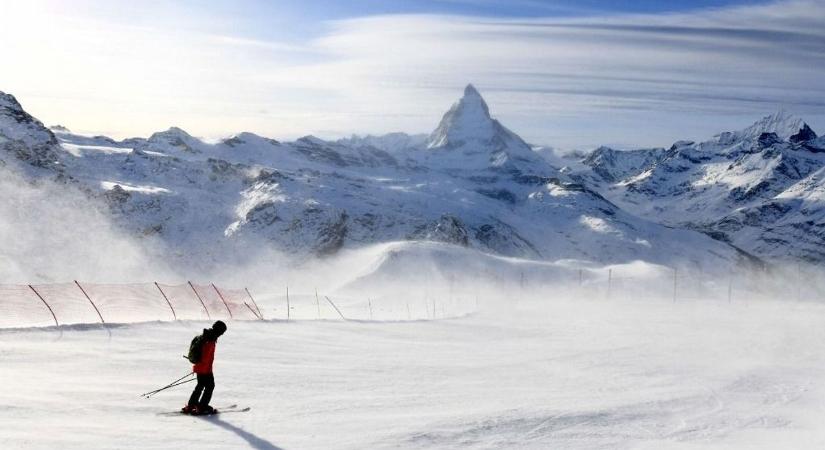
(579, 374)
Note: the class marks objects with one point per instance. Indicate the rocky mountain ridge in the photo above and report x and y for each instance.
(759, 188)
(471, 183)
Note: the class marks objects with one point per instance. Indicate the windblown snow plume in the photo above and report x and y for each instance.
(54, 232)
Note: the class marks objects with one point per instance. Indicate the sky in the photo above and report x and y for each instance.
(567, 74)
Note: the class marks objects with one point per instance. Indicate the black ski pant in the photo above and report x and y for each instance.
(206, 384)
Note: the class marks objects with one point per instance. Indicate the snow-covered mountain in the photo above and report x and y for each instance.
(469, 140)
(471, 183)
(760, 188)
(24, 138)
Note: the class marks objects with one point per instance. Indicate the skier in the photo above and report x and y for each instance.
(203, 368)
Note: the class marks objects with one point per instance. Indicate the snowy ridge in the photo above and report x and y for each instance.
(615, 165)
(25, 137)
(474, 184)
(391, 142)
(18, 125)
(745, 187)
(782, 123)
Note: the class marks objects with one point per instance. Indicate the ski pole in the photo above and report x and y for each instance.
(150, 394)
(168, 385)
(177, 383)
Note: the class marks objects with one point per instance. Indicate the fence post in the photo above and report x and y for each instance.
(317, 303)
(222, 299)
(167, 300)
(409, 316)
(336, 308)
(90, 301)
(369, 302)
(208, 316)
(609, 281)
(252, 310)
(45, 303)
(730, 286)
(675, 279)
(260, 314)
(287, 302)
(580, 278)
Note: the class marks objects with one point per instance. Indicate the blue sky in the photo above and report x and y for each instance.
(263, 10)
(570, 74)
(299, 19)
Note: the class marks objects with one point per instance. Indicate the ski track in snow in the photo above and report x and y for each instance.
(564, 374)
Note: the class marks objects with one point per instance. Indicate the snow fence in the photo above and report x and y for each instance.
(38, 305)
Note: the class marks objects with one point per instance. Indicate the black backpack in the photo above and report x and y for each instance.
(196, 349)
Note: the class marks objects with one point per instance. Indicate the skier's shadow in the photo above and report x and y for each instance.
(255, 441)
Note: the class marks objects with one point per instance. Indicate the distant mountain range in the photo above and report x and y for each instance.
(760, 189)
(742, 197)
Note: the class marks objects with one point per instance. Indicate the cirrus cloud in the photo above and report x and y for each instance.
(627, 80)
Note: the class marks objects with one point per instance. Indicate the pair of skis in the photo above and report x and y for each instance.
(218, 411)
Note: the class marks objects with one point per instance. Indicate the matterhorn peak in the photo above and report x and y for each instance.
(468, 119)
(467, 138)
(472, 96)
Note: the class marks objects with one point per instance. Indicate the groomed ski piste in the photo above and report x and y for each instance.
(526, 366)
(563, 374)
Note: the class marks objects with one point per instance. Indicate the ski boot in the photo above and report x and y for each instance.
(206, 410)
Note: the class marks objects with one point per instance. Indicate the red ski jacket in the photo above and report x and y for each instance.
(207, 357)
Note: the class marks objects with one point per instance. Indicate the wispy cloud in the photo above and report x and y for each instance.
(256, 43)
(639, 79)
(727, 63)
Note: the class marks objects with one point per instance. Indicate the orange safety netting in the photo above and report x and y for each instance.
(78, 303)
(20, 307)
(129, 302)
(226, 306)
(68, 302)
(240, 299)
(186, 303)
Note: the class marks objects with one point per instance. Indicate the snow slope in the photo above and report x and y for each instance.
(395, 268)
(579, 374)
